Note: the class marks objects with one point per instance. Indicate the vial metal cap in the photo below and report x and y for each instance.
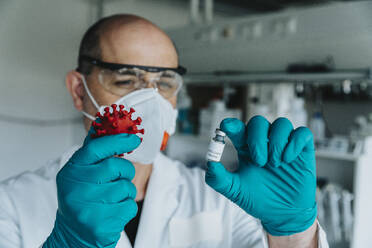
(220, 133)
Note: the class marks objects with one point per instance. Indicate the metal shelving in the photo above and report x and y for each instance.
(364, 75)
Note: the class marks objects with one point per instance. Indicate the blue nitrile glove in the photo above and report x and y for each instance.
(95, 194)
(276, 179)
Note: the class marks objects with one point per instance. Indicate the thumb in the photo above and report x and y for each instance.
(235, 130)
(218, 178)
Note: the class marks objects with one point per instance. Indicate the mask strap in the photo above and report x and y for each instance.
(88, 115)
(89, 94)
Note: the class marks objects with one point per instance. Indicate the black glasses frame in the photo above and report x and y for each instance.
(113, 66)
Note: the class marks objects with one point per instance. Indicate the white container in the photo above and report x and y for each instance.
(317, 126)
(298, 113)
(211, 117)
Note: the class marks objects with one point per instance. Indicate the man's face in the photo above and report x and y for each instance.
(135, 43)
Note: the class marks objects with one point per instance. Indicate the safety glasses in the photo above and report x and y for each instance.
(121, 79)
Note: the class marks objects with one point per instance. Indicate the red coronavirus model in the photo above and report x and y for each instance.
(119, 121)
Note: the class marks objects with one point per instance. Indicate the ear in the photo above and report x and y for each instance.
(75, 87)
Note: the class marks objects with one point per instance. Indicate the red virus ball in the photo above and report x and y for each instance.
(119, 121)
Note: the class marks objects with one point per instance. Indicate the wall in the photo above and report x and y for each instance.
(168, 14)
(39, 43)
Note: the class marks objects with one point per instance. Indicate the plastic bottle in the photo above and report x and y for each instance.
(213, 115)
(185, 126)
(298, 113)
(317, 126)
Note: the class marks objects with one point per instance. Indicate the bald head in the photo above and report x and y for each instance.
(127, 39)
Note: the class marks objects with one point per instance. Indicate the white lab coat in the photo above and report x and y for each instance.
(179, 210)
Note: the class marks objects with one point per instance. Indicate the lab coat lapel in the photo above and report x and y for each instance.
(123, 241)
(160, 204)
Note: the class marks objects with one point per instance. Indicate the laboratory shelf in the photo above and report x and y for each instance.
(265, 77)
(322, 154)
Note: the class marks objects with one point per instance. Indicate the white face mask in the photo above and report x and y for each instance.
(158, 120)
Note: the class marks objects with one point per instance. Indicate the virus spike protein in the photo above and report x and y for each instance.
(119, 121)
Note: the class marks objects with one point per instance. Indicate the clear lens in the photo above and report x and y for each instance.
(169, 83)
(125, 81)
(119, 83)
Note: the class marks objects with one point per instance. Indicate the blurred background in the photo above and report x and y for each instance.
(309, 61)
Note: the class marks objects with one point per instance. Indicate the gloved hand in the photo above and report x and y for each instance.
(95, 194)
(276, 179)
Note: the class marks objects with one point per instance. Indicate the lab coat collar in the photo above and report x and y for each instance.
(165, 172)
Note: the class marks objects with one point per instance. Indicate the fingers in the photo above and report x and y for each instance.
(108, 193)
(261, 142)
(108, 170)
(250, 141)
(103, 219)
(279, 134)
(300, 139)
(235, 130)
(116, 168)
(125, 210)
(100, 148)
(257, 139)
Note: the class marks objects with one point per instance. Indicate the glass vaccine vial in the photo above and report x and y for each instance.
(216, 146)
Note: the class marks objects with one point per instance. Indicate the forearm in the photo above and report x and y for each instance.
(306, 239)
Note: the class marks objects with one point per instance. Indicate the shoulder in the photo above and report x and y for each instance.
(22, 190)
(45, 174)
(29, 200)
(30, 180)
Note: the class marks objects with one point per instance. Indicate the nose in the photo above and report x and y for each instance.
(149, 85)
(149, 80)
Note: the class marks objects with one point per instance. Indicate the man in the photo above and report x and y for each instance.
(89, 195)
